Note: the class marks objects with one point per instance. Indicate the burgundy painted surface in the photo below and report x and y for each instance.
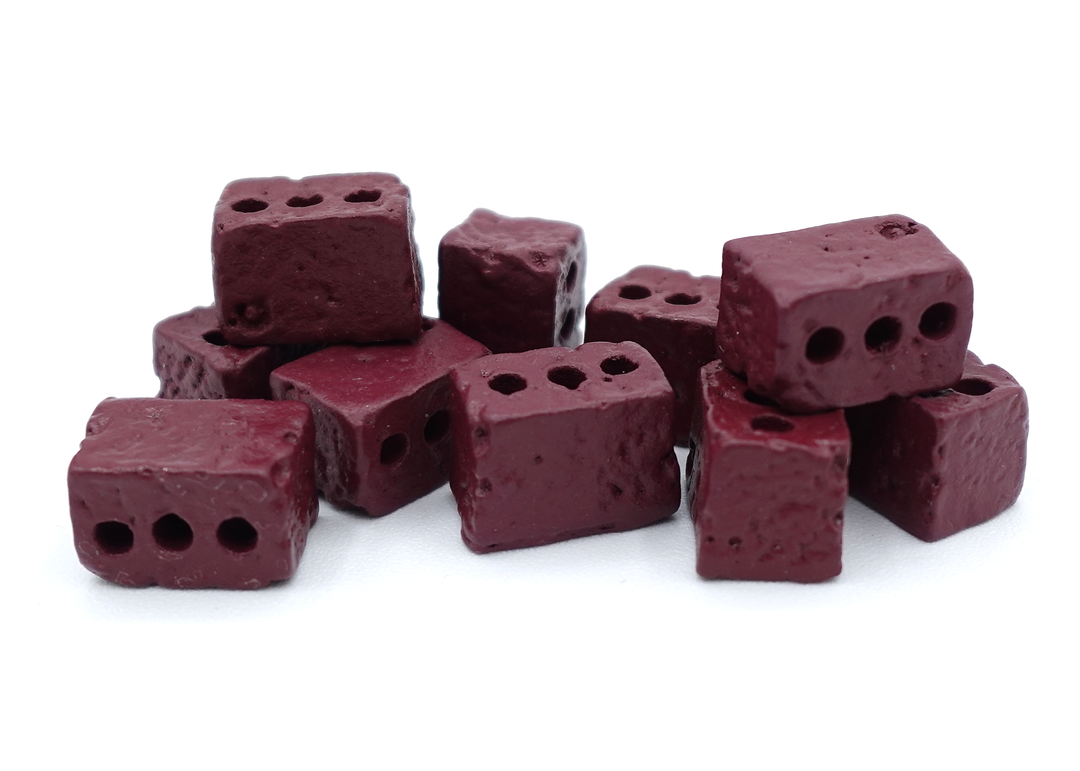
(193, 361)
(513, 284)
(766, 489)
(381, 415)
(939, 463)
(672, 315)
(844, 314)
(558, 443)
(317, 260)
(194, 493)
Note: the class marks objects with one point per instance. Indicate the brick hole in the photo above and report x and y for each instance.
(507, 383)
(363, 196)
(681, 298)
(938, 320)
(883, 335)
(973, 386)
(755, 398)
(172, 533)
(393, 449)
(214, 337)
(618, 365)
(568, 325)
(571, 278)
(237, 535)
(634, 292)
(299, 201)
(249, 206)
(824, 345)
(735, 542)
(773, 423)
(437, 427)
(113, 537)
(567, 377)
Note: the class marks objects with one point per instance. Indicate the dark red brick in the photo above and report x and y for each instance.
(557, 443)
(669, 313)
(194, 493)
(513, 284)
(766, 489)
(943, 461)
(318, 260)
(381, 415)
(844, 314)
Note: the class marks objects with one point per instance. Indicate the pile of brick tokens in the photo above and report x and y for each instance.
(822, 360)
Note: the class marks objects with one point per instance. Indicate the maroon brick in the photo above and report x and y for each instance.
(194, 494)
(669, 313)
(193, 361)
(766, 489)
(557, 443)
(318, 260)
(381, 415)
(513, 284)
(844, 314)
(943, 461)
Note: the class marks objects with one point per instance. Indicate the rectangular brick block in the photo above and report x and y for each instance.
(327, 259)
(766, 489)
(194, 494)
(943, 461)
(381, 415)
(557, 443)
(844, 314)
(672, 315)
(513, 284)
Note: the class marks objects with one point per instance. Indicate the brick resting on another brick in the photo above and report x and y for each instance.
(672, 315)
(381, 415)
(557, 443)
(766, 489)
(194, 493)
(844, 314)
(943, 461)
(327, 259)
(513, 284)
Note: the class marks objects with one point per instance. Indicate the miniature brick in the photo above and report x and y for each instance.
(558, 443)
(381, 414)
(672, 315)
(319, 260)
(844, 314)
(193, 361)
(766, 489)
(513, 284)
(943, 461)
(194, 494)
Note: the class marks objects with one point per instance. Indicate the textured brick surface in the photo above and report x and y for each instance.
(669, 313)
(317, 260)
(194, 494)
(513, 284)
(557, 443)
(944, 461)
(844, 314)
(766, 489)
(381, 414)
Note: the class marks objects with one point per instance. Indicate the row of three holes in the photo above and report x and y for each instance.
(566, 376)
(172, 533)
(252, 205)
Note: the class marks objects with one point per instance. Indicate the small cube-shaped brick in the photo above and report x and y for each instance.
(844, 314)
(672, 315)
(317, 260)
(558, 443)
(943, 461)
(513, 284)
(766, 490)
(193, 361)
(381, 414)
(194, 494)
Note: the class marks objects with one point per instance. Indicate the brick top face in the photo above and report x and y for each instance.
(651, 291)
(543, 244)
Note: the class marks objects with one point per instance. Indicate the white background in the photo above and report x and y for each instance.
(663, 129)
